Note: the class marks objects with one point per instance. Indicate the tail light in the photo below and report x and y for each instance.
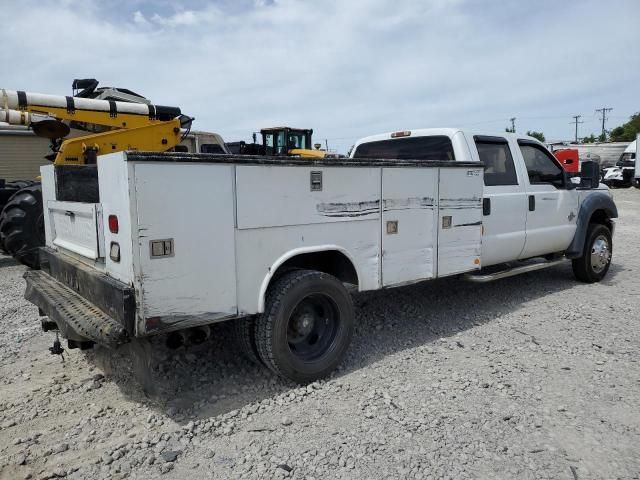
(113, 224)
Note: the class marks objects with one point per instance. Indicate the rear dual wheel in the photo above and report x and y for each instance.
(305, 329)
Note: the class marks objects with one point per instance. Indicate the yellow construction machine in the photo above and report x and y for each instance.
(121, 121)
(278, 141)
(109, 120)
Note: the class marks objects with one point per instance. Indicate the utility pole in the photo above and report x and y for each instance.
(513, 124)
(576, 119)
(326, 144)
(604, 111)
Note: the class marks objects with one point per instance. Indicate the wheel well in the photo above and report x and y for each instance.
(601, 217)
(332, 262)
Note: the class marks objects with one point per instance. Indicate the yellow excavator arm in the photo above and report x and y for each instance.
(128, 126)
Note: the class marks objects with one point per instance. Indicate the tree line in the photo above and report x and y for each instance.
(623, 133)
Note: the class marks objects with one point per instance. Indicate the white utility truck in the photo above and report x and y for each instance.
(178, 241)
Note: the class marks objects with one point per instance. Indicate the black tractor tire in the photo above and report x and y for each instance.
(595, 261)
(22, 225)
(306, 327)
(9, 189)
(243, 332)
(6, 193)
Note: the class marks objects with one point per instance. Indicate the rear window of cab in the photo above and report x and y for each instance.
(437, 147)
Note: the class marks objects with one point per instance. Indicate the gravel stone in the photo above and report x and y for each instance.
(170, 455)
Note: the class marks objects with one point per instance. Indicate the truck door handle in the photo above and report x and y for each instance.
(486, 206)
(532, 203)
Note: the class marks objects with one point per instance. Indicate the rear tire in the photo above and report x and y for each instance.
(306, 327)
(245, 338)
(595, 261)
(22, 225)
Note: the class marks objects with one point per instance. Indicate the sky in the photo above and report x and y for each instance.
(346, 68)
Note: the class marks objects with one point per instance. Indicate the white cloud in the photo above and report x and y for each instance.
(139, 18)
(185, 18)
(347, 69)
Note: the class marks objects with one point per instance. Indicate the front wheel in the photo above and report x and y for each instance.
(306, 327)
(595, 261)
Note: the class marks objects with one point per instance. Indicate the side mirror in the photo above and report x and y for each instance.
(589, 175)
(571, 181)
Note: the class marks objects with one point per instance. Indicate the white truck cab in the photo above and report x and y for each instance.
(624, 173)
(162, 243)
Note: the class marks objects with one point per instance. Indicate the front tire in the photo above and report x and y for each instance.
(22, 225)
(306, 327)
(595, 261)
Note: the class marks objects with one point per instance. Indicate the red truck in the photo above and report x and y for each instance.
(569, 159)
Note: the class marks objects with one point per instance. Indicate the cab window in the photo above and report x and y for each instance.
(211, 148)
(541, 167)
(268, 141)
(275, 144)
(437, 147)
(297, 140)
(499, 168)
(281, 144)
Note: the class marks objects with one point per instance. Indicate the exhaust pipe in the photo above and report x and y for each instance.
(199, 335)
(176, 340)
(193, 336)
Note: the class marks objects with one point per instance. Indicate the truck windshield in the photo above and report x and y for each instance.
(416, 148)
(627, 159)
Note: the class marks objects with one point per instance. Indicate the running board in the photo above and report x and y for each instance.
(490, 277)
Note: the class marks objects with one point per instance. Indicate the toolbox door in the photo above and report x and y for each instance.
(460, 220)
(186, 270)
(75, 227)
(410, 204)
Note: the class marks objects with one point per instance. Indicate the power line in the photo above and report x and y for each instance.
(576, 119)
(604, 111)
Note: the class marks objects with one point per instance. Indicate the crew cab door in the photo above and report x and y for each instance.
(551, 208)
(504, 202)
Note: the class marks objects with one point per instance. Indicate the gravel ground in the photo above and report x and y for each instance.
(536, 376)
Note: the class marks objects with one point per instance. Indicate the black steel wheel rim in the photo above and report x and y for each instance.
(313, 327)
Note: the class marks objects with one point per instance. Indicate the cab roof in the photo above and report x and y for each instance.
(430, 132)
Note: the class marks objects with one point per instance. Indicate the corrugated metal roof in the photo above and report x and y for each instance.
(21, 155)
(606, 154)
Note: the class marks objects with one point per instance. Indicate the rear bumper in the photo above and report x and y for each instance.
(84, 303)
(76, 318)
